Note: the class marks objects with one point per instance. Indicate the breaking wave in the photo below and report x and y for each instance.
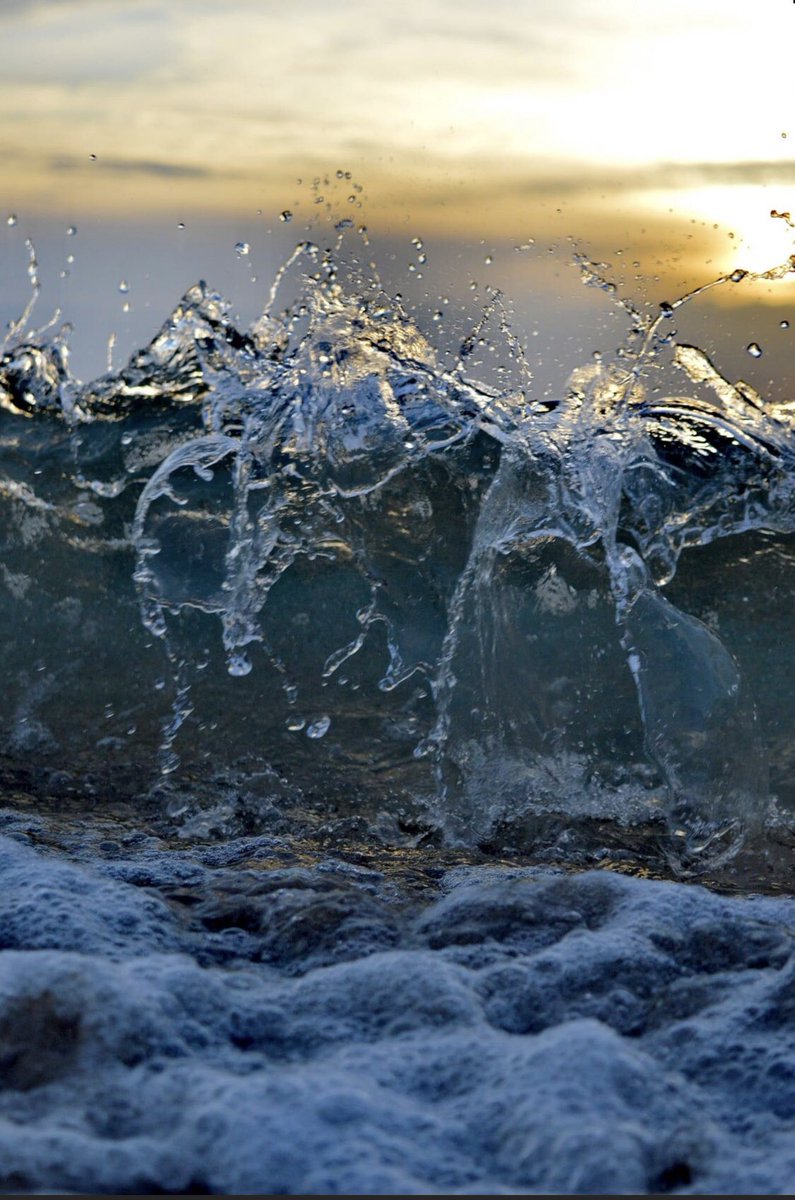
(318, 573)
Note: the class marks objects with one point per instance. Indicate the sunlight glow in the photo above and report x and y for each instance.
(752, 238)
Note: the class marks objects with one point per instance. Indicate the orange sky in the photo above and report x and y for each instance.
(665, 127)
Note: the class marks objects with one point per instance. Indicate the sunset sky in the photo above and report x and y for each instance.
(664, 129)
(463, 111)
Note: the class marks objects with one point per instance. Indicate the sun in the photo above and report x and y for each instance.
(749, 221)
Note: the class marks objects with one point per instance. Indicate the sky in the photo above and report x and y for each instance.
(661, 132)
(458, 110)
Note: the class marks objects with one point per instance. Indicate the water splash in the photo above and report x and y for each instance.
(476, 573)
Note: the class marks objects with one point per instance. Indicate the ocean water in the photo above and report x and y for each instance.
(397, 763)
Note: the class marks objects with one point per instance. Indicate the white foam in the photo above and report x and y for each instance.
(523, 1031)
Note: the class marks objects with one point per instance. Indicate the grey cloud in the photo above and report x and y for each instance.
(133, 166)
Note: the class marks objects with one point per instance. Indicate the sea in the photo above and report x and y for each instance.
(397, 753)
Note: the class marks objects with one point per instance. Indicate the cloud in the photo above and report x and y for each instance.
(131, 166)
(80, 44)
(578, 179)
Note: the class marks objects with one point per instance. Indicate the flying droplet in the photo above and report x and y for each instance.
(124, 286)
(295, 723)
(11, 219)
(238, 665)
(169, 760)
(783, 324)
(488, 260)
(754, 349)
(93, 157)
(666, 309)
(71, 231)
(318, 728)
(286, 216)
(242, 249)
(180, 224)
(738, 275)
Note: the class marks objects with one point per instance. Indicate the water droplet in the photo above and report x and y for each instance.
(124, 286)
(738, 275)
(296, 723)
(238, 665)
(488, 260)
(71, 231)
(93, 157)
(180, 224)
(286, 216)
(11, 219)
(242, 249)
(784, 135)
(754, 349)
(318, 728)
(784, 324)
(169, 763)
(666, 309)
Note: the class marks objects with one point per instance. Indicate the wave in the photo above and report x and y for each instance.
(312, 566)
